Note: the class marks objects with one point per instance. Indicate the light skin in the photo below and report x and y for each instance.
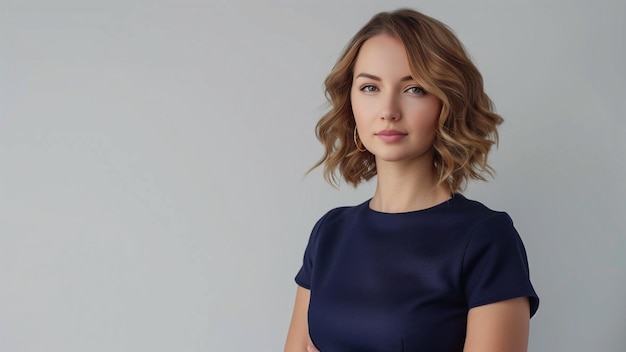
(386, 97)
(396, 121)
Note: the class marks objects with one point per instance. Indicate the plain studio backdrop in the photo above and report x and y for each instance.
(152, 160)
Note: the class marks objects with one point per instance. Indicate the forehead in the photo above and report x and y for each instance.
(382, 55)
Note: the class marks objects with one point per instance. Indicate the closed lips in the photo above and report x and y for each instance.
(390, 133)
(391, 136)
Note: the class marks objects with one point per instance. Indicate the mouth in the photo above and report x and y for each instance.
(390, 133)
(391, 136)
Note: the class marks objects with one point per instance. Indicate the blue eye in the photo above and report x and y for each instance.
(369, 89)
(417, 90)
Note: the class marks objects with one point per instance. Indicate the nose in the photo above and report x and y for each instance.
(390, 108)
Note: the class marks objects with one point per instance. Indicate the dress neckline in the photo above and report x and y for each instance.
(447, 202)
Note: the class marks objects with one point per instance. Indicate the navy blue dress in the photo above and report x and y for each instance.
(406, 281)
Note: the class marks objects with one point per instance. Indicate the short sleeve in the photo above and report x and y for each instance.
(495, 266)
(303, 278)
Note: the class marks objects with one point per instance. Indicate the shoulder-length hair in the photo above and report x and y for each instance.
(467, 122)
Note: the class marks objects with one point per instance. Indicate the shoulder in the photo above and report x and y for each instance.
(481, 219)
(472, 207)
(335, 219)
(471, 214)
(491, 234)
(495, 264)
(340, 214)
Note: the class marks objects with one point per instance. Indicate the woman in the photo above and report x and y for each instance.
(418, 267)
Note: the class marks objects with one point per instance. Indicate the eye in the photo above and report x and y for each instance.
(416, 90)
(369, 89)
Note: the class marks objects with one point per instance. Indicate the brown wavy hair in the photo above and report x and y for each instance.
(467, 122)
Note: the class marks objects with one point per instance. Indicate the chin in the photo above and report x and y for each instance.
(394, 157)
(403, 157)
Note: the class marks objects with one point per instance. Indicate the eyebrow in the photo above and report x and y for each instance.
(376, 78)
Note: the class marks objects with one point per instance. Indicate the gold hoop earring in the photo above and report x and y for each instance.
(360, 148)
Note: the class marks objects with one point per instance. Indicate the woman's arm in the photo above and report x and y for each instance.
(298, 339)
(499, 327)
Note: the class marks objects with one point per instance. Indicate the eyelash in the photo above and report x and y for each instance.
(421, 90)
(366, 88)
(371, 88)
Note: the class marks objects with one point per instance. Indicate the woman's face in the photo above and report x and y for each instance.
(396, 119)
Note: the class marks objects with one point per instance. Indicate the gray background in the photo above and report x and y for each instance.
(152, 159)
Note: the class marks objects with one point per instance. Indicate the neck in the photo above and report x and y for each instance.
(403, 187)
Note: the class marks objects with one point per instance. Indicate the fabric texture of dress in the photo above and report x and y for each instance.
(406, 281)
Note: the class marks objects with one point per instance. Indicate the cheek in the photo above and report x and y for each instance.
(426, 121)
(430, 114)
(433, 123)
